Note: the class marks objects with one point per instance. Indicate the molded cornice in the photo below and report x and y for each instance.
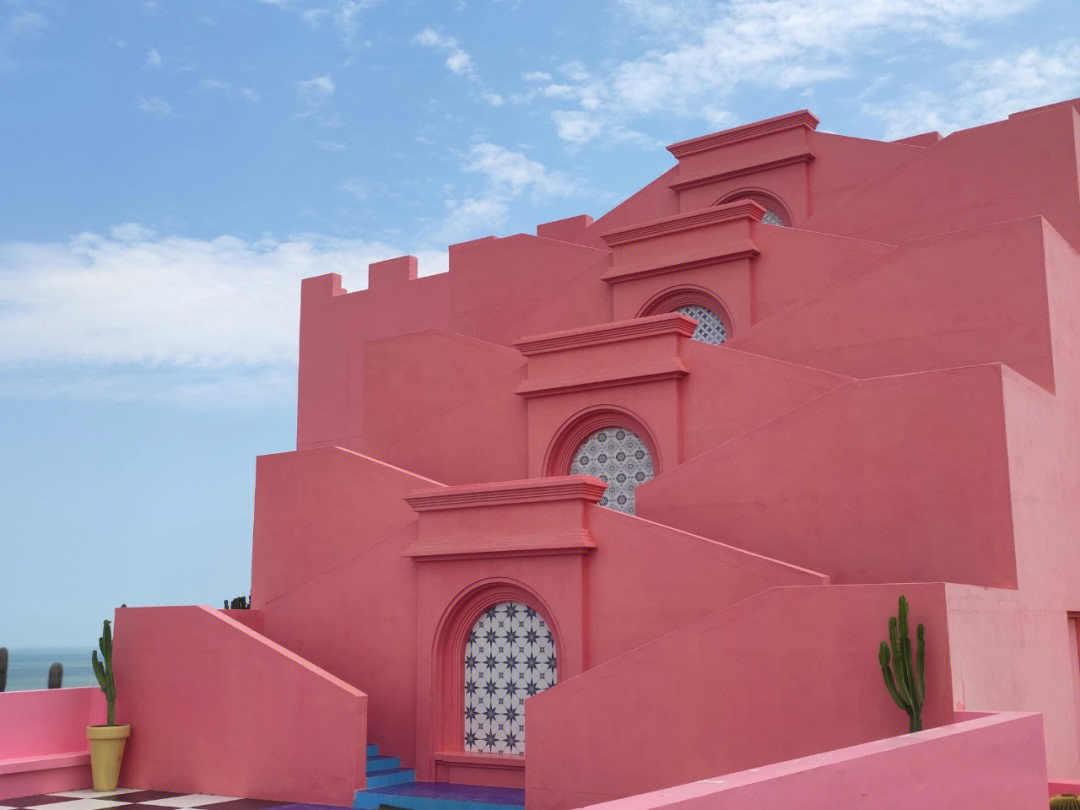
(743, 249)
(529, 490)
(473, 548)
(739, 209)
(803, 155)
(672, 323)
(672, 369)
(746, 132)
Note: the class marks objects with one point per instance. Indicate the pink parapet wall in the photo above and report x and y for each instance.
(217, 708)
(43, 745)
(994, 761)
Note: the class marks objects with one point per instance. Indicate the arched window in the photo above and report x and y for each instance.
(776, 212)
(509, 656)
(619, 457)
(710, 326)
(714, 323)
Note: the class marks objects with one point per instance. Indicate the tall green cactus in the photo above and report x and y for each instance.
(104, 671)
(56, 675)
(906, 684)
(3, 668)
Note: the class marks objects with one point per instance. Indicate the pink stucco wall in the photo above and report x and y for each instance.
(43, 739)
(217, 708)
(992, 762)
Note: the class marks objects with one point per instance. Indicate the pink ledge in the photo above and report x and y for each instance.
(746, 132)
(676, 223)
(45, 762)
(670, 323)
(528, 490)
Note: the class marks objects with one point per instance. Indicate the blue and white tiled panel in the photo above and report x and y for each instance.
(510, 655)
(710, 328)
(620, 458)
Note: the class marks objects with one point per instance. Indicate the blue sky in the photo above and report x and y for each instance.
(169, 171)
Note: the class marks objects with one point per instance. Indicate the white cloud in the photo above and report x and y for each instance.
(511, 173)
(985, 90)
(701, 54)
(316, 90)
(536, 76)
(471, 217)
(494, 99)
(357, 188)
(507, 176)
(458, 61)
(330, 146)
(226, 87)
(576, 127)
(132, 315)
(157, 107)
(153, 58)
(27, 21)
(344, 15)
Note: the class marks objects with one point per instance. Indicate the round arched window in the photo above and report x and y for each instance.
(618, 457)
(710, 326)
(510, 656)
(775, 212)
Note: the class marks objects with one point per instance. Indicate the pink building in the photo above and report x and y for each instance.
(627, 504)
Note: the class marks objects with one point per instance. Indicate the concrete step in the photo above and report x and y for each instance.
(440, 796)
(394, 776)
(378, 763)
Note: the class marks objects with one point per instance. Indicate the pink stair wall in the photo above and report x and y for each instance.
(789, 672)
(217, 708)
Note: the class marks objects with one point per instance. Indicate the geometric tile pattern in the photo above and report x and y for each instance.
(710, 329)
(619, 457)
(772, 218)
(510, 656)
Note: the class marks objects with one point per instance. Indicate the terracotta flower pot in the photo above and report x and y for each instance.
(106, 751)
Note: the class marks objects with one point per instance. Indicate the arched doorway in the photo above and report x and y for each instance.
(509, 656)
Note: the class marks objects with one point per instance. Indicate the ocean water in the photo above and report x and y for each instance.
(28, 668)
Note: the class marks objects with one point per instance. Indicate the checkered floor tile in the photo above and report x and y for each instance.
(131, 799)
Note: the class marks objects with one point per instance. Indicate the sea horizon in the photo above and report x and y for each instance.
(28, 667)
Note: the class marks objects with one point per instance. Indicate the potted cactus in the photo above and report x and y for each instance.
(107, 741)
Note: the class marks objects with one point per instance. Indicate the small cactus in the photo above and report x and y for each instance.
(905, 682)
(56, 676)
(103, 670)
(3, 668)
(1065, 801)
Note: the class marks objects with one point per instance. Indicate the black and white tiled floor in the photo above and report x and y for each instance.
(131, 799)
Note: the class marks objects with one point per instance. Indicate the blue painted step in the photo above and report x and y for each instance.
(378, 763)
(440, 796)
(373, 749)
(395, 776)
